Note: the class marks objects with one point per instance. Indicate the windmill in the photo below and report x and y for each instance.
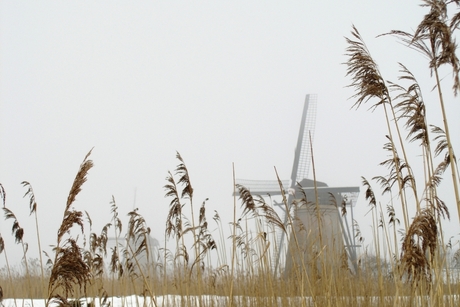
(299, 175)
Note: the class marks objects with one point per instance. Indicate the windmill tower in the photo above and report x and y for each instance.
(333, 226)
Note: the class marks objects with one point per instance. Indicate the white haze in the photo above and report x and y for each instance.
(223, 83)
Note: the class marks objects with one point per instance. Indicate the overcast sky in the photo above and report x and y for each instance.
(221, 82)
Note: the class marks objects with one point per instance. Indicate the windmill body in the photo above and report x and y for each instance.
(331, 229)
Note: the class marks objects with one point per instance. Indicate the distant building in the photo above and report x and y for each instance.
(318, 232)
(147, 258)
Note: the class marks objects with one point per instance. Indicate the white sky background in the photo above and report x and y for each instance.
(220, 82)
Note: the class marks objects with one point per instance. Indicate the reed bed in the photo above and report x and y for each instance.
(408, 266)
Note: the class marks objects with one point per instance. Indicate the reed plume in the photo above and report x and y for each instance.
(259, 208)
(365, 75)
(69, 268)
(419, 246)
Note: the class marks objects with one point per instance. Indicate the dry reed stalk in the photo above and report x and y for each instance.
(175, 227)
(263, 214)
(204, 239)
(187, 193)
(33, 210)
(394, 262)
(435, 39)
(137, 235)
(318, 215)
(369, 84)
(116, 266)
(179, 225)
(412, 108)
(18, 233)
(300, 274)
(69, 268)
(232, 268)
(3, 250)
(94, 259)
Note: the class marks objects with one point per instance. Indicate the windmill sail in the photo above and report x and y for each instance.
(302, 157)
(301, 166)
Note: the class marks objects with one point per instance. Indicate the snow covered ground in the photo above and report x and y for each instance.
(129, 301)
(208, 300)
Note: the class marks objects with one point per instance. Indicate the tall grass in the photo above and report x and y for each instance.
(406, 267)
(320, 276)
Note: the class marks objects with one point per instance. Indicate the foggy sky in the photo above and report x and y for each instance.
(222, 83)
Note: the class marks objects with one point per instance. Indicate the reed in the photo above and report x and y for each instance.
(69, 270)
(33, 210)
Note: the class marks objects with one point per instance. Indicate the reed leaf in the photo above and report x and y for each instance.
(2, 194)
(30, 193)
(16, 230)
(369, 194)
(411, 107)
(184, 178)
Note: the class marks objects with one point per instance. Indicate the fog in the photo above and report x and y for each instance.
(222, 83)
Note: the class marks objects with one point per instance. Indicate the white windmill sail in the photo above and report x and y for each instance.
(302, 157)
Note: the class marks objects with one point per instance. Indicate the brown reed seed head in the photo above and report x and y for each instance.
(69, 269)
(419, 246)
(438, 30)
(365, 76)
(79, 180)
(247, 201)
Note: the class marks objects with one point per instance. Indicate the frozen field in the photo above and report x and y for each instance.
(208, 300)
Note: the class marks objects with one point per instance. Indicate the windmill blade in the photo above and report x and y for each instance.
(302, 158)
(263, 187)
